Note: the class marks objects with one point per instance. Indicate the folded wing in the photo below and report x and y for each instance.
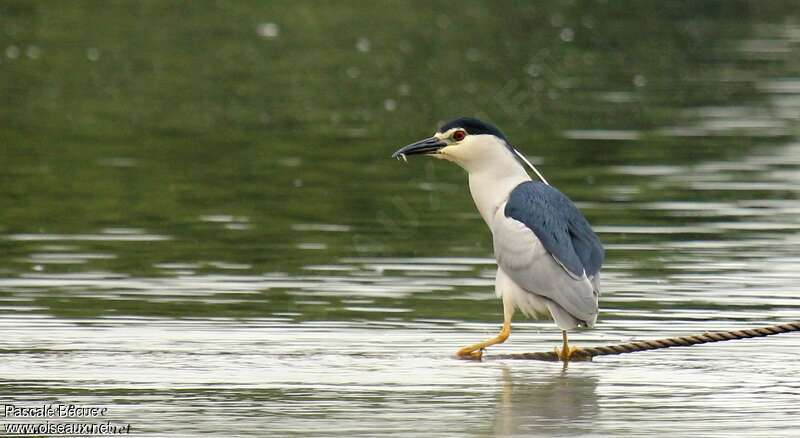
(547, 247)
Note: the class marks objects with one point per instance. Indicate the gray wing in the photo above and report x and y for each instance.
(559, 225)
(544, 244)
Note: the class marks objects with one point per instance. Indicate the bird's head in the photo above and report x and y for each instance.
(470, 143)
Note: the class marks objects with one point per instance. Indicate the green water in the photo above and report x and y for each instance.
(199, 216)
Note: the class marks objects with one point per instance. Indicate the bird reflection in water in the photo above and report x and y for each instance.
(545, 404)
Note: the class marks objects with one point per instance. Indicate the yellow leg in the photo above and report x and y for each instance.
(566, 351)
(475, 351)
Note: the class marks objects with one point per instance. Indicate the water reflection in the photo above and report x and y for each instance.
(549, 404)
(201, 244)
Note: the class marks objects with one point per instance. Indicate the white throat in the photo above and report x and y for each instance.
(492, 167)
(491, 190)
(492, 178)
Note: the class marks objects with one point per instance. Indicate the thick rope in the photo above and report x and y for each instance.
(584, 354)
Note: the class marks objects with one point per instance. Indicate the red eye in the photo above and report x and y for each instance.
(459, 135)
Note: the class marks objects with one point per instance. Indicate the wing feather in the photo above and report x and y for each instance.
(544, 244)
(559, 225)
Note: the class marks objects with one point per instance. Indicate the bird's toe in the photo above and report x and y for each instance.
(470, 355)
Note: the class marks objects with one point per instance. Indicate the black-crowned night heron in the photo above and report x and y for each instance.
(548, 257)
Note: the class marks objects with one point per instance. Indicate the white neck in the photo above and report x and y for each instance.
(491, 182)
(492, 167)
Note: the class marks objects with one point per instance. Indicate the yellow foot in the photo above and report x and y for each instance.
(566, 352)
(470, 354)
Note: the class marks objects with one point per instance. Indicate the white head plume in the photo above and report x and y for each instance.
(525, 160)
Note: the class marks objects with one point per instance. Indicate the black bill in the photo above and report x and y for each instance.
(427, 146)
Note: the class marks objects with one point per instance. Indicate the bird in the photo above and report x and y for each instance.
(548, 256)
